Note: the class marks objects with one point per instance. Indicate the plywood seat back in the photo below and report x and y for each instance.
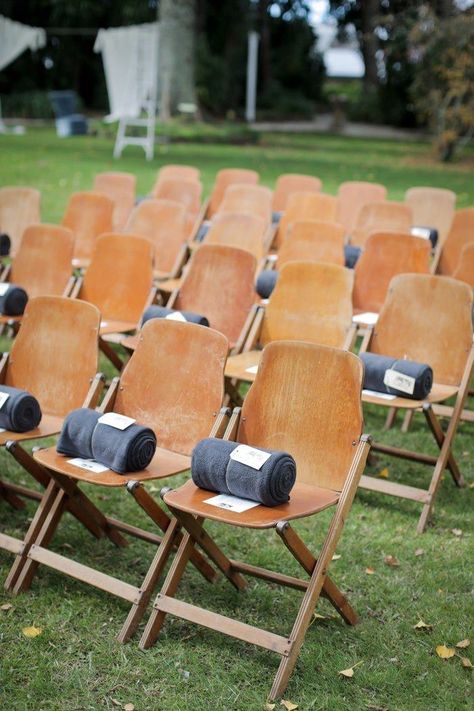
(306, 206)
(236, 230)
(306, 400)
(174, 382)
(248, 200)
(352, 195)
(460, 234)
(186, 192)
(381, 217)
(180, 172)
(119, 277)
(219, 284)
(42, 264)
(387, 254)
(163, 222)
(311, 302)
(432, 207)
(290, 183)
(427, 319)
(465, 269)
(226, 177)
(314, 241)
(120, 188)
(19, 207)
(55, 355)
(88, 215)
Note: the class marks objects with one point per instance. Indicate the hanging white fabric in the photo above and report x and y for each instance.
(130, 57)
(16, 37)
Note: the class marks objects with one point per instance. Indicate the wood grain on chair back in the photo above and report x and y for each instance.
(19, 207)
(219, 284)
(55, 355)
(290, 183)
(465, 269)
(352, 195)
(120, 188)
(181, 172)
(381, 217)
(186, 192)
(238, 230)
(248, 200)
(427, 319)
(311, 301)
(174, 382)
(387, 254)
(119, 277)
(88, 215)
(163, 222)
(432, 207)
(306, 400)
(226, 177)
(460, 234)
(42, 264)
(314, 241)
(307, 206)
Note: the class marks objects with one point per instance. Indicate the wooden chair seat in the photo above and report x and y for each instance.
(80, 263)
(49, 425)
(164, 463)
(438, 393)
(131, 342)
(305, 500)
(168, 285)
(110, 326)
(237, 365)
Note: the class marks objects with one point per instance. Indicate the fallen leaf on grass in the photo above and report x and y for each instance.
(466, 663)
(349, 673)
(419, 551)
(116, 702)
(422, 626)
(369, 571)
(31, 632)
(336, 556)
(7, 606)
(269, 707)
(129, 707)
(445, 652)
(456, 532)
(463, 644)
(391, 561)
(317, 616)
(384, 473)
(289, 705)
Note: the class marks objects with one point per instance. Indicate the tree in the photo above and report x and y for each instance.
(177, 55)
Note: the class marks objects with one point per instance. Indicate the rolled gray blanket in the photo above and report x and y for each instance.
(266, 282)
(20, 412)
(75, 439)
(351, 255)
(13, 301)
(276, 216)
(213, 469)
(377, 365)
(203, 230)
(426, 233)
(5, 244)
(163, 312)
(129, 450)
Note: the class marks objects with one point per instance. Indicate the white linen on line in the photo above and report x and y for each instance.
(16, 37)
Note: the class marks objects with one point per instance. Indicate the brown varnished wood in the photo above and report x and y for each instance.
(179, 172)
(237, 230)
(427, 319)
(49, 425)
(381, 217)
(460, 234)
(248, 200)
(306, 206)
(19, 208)
(465, 268)
(42, 264)
(432, 207)
(290, 183)
(226, 177)
(387, 254)
(88, 215)
(120, 188)
(438, 394)
(352, 195)
(312, 240)
(55, 355)
(186, 192)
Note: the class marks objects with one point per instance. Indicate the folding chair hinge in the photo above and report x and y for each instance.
(132, 485)
(165, 490)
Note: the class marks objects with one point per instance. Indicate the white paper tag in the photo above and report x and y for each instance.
(374, 393)
(252, 369)
(113, 419)
(231, 503)
(3, 289)
(3, 398)
(250, 456)
(399, 381)
(2, 429)
(368, 317)
(423, 232)
(175, 316)
(103, 324)
(89, 464)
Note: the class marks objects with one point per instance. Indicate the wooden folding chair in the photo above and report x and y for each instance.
(248, 200)
(305, 400)
(460, 234)
(165, 387)
(306, 206)
(427, 319)
(312, 301)
(88, 215)
(187, 193)
(465, 268)
(432, 207)
(290, 183)
(381, 217)
(119, 281)
(248, 232)
(312, 241)
(179, 172)
(224, 178)
(352, 195)
(164, 222)
(120, 188)
(19, 208)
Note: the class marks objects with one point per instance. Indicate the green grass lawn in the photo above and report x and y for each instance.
(76, 664)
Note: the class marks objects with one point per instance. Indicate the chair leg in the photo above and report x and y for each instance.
(10, 497)
(407, 420)
(439, 435)
(390, 419)
(109, 353)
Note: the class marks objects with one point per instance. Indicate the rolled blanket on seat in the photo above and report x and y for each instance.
(5, 244)
(351, 255)
(426, 233)
(212, 468)
(75, 439)
(123, 451)
(13, 300)
(266, 282)
(163, 312)
(276, 216)
(203, 230)
(20, 411)
(419, 376)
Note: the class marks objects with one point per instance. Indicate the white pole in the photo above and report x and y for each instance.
(252, 65)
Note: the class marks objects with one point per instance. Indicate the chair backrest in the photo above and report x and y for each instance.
(219, 284)
(42, 264)
(181, 172)
(186, 192)
(88, 215)
(226, 177)
(306, 206)
(19, 207)
(174, 382)
(163, 222)
(465, 269)
(120, 188)
(312, 301)
(119, 278)
(55, 355)
(313, 241)
(381, 217)
(306, 400)
(237, 230)
(432, 207)
(460, 234)
(427, 319)
(387, 254)
(248, 200)
(352, 195)
(290, 183)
